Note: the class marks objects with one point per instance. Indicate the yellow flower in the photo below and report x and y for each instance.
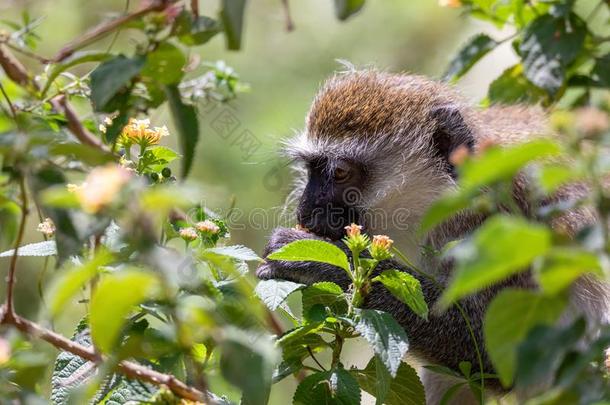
(353, 230)
(139, 132)
(101, 187)
(380, 247)
(188, 234)
(207, 226)
(47, 227)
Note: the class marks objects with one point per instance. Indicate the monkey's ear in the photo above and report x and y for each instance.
(450, 133)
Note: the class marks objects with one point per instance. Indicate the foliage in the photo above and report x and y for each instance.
(171, 313)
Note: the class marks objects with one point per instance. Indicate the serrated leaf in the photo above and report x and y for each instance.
(113, 300)
(110, 77)
(406, 288)
(549, 45)
(45, 248)
(274, 292)
(510, 316)
(232, 17)
(128, 391)
(72, 279)
(501, 247)
(326, 294)
(512, 87)
(312, 250)
(405, 389)
(165, 64)
(346, 8)
(445, 207)
(238, 252)
(185, 121)
(328, 387)
(71, 371)
(477, 47)
(387, 338)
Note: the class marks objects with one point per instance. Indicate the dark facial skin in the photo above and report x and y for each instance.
(332, 197)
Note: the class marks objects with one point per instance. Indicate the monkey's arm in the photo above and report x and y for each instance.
(444, 338)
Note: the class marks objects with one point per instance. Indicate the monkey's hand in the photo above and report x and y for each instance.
(299, 272)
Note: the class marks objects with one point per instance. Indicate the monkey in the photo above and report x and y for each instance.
(382, 142)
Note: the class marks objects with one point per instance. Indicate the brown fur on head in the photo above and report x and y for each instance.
(401, 127)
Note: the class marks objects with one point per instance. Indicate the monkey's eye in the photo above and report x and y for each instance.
(342, 173)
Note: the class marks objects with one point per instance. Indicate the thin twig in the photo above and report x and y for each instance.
(195, 8)
(14, 68)
(105, 28)
(287, 16)
(74, 125)
(10, 280)
(8, 101)
(128, 368)
(29, 54)
(314, 358)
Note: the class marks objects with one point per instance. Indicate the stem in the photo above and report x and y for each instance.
(128, 368)
(287, 16)
(75, 126)
(8, 101)
(462, 313)
(337, 348)
(314, 358)
(10, 281)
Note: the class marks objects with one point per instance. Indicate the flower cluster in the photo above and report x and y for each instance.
(139, 132)
(47, 228)
(355, 240)
(100, 188)
(205, 229)
(380, 247)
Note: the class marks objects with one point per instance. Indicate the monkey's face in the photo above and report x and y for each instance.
(331, 199)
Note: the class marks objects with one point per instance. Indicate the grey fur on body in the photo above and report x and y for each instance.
(402, 128)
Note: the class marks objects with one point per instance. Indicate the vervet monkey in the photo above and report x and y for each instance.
(382, 142)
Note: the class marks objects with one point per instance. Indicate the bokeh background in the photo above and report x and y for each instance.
(283, 71)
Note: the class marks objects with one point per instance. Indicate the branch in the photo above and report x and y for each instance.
(128, 368)
(14, 68)
(107, 27)
(195, 7)
(61, 105)
(287, 17)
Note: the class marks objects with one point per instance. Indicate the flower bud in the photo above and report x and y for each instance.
(188, 234)
(207, 227)
(47, 227)
(380, 247)
(355, 240)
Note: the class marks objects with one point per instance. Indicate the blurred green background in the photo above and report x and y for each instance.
(284, 71)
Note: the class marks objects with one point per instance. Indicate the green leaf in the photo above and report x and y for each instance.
(312, 250)
(448, 205)
(406, 288)
(326, 294)
(110, 77)
(45, 248)
(248, 365)
(114, 299)
(238, 252)
(165, 64)
(549, 45)
(76, 59)
(405, 389)
(477, 47)
(501, 247)
(346, 8)
(71, 371)
(387, 338)
(540, 355)
(510, 316)
(512, 87)
(563, 265)
(601, 71)
(127, 391)
(232, 17)
(85, 153)
(72, 279)
(185, 121)
(201, 31)
(502, 163)
(329, 387)
(274, 292)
